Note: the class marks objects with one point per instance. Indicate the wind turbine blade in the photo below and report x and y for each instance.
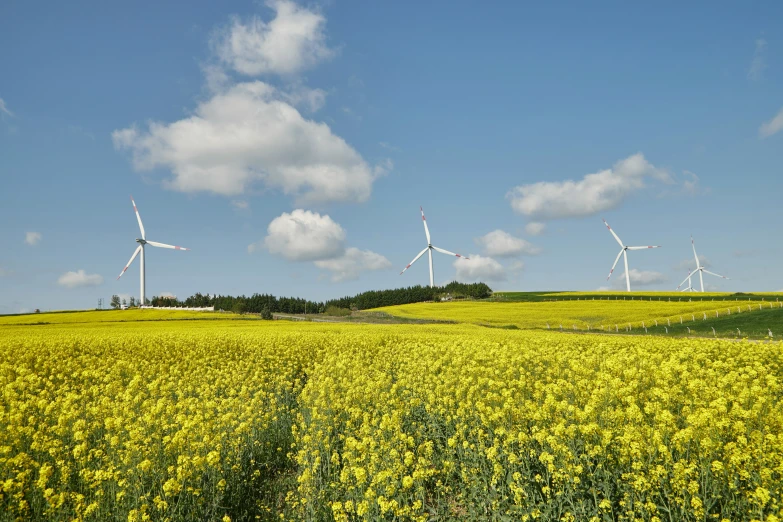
(164, 245)
(683, 281)
(713, 273)
(615, 264)
(138, 218)
(414, 260)
(643, 247)
(449, 253)
(138, 249)
(694, 252)
(426, 229)
(615, 235)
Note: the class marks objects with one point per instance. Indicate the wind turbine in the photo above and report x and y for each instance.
(700, 269)
(623, 253)
(429, 249)
(143, 241)
(690, 288)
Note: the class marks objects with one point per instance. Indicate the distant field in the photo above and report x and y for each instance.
(606, 315)
(635, 296)
(100, 316)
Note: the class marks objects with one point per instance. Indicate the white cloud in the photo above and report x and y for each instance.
(32, 238)
(690, 264)
(534, 228)
(759, 62)
(502, 244)
(773, 126)
(479, 268)
(352, 262)
(303, 235)
(516, 266)
(641, 278)
(293, 41)
(592, 194)
(4, 109)
(245, 135)
(167, 294)
(691, 183)
(240, 204)
(300, 96)
(388, 146)
(80, 278)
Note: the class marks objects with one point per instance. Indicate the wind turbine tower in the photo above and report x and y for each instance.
(140, 249)
(623, 253)
(429, 249)
(700, 269)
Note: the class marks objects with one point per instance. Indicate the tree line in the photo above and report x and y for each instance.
(268, 304)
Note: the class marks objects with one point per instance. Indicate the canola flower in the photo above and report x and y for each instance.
(99, 316)
(584, 314)
(225, 420)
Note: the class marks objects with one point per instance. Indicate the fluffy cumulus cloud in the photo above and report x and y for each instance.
(535, 228)
(78, 279)
(354, 261)
(502, 244)
(479, 268)
(32, 238)
(249, 134)
(590, 195)
(773, 126)
(641, 278)
(292, 41)
(303, 235)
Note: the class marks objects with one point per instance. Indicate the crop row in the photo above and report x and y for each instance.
(219, 420)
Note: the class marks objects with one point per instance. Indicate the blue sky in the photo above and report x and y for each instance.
(291, 145)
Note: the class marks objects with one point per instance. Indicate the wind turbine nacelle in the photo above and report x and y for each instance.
(141, 241)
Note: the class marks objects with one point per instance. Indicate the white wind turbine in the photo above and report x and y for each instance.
(429, 249)
(143, 241)
(689, 288)
(700, 269)
(625, 256)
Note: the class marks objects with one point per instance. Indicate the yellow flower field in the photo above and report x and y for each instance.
(110, 316)
(235, 420)
(595, 314)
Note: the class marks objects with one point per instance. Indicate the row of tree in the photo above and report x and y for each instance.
(267, 303)
(117, 303)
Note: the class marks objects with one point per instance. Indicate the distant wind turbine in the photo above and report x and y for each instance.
(625, 256)
(690, 288)
(700, 269)
(429, 249)
(143, 241)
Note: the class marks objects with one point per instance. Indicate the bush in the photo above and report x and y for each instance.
(266, 314)
(336, 311)
(239, 307)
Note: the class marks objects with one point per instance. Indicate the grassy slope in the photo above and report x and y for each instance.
(753, 325)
